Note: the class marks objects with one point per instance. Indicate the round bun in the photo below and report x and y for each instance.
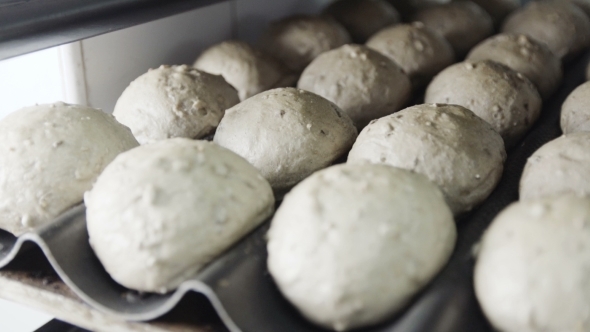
(49, 156)
(558, 167)
(365, 84)
(498, 9)
(418, 50)
(559, 24)
(575, 111)
(525, 55)
(449, 144)
(463, 24)
(174, 101)
(362, 18)
(245, 68)
(297, 40)
(160, 212)
(287, 134)
(532, 270)
(352, 244)
(504, 98)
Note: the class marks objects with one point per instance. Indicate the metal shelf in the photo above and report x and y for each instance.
(32, 25)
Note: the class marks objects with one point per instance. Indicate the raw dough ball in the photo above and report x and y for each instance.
(563, 27)
(575, 111)
(174, 101)
(160, 212)
(49, 156)
(504, 98)
(352, 244)
(362, 18)
(449, 144)
(525, 55)
(498, 9)
(420, 51)
(364, 83)
(245, 68)
(558, 167)
(532, 271)
(463, 24)
(287, 134)
(297, 40)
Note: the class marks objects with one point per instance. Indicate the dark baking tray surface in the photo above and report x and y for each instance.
(242, 292)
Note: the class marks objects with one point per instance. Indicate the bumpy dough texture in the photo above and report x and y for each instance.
(558, 167)
(245, 68)
(525, 55)
(498, 9)
(362, 18)
(365, 84)
(504, 98)
(297, 40)
(160, 212)
(562, 26)
(575, 111)
(449, 144)
(532, 271)
(463, 24)
(287, 134)
(420, 51)
(352, 244)
(174, 101)
(49, 156)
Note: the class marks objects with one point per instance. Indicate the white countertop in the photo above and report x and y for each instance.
(17, 318)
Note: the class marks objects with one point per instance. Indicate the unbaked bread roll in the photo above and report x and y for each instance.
(287, 134)
(498, 9)
(531, 274)
(160, 212)
(299, 39)
(245, 68)
(449, 144)
(362, 18)
(49, 156)
(420, 51)
(174, 101)
(352, 244)
(365, 84)
(559, 24)
(525, 55)
(504, 98)
(462, 23)
(558, 167)
(575, 111)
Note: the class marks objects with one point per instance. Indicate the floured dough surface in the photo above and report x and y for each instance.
(449, 144)
(162, 211)
(419, 50)
(562, 26)
(297, 40)
(365, 84)
(174, 101)
(525, 55)
(531, 274)
(558, 167)
(247, 69)
(502, 97)
(575, 111)
(49, 156)
(287, 134)
(352, 244)
(462, 23)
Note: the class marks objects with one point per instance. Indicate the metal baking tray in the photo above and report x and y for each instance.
(238, 285)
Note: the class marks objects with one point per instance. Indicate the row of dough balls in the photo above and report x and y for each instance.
(531, 267)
